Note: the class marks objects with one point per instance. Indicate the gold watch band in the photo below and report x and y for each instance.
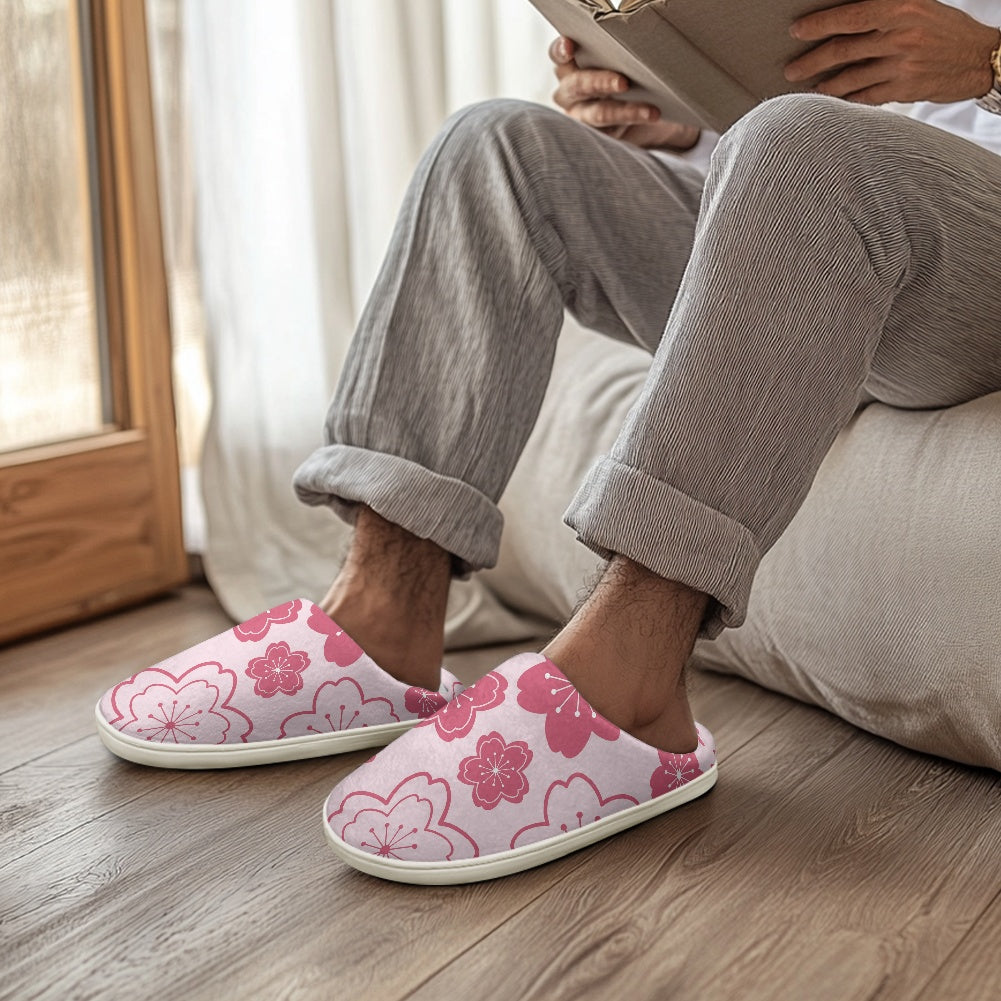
(991, 101)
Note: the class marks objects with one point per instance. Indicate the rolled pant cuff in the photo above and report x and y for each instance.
(622, 510)
(449, 512)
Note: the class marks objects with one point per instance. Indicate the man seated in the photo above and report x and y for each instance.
(835, 254)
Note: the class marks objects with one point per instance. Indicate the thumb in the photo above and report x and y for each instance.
(561, 51)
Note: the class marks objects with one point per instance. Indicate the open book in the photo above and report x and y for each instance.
(704, 62)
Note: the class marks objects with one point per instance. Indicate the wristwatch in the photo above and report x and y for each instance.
(991, 101)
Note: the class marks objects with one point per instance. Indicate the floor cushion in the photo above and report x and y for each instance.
(882, 600)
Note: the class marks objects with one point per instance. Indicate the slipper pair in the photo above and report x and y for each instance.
(512, 772)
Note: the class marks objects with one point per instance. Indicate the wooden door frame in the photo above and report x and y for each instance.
(91, 524)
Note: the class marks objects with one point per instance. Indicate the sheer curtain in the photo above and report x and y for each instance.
(307, 118)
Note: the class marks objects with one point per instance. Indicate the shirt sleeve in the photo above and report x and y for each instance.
(698, 156)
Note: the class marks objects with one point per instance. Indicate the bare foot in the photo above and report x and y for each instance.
(390, 597)
(625, 650)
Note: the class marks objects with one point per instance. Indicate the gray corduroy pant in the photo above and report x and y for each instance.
(834, 255)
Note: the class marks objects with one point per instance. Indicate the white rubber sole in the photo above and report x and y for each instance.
(515, 860)
(261, 752)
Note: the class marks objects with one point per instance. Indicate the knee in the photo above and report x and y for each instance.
(808, 134)
(502, 147)
(818, 166)
(502, 126)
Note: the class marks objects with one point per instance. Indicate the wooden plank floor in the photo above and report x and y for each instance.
(827, 865)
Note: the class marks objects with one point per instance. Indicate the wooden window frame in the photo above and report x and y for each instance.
(92, 524)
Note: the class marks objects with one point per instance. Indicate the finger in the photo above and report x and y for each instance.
(586, 85)
(561, 50)
(616, 131)
(857, 79)
(565, 69)
(656, 135)
(841, 51)
(848, 19)
(604, 114)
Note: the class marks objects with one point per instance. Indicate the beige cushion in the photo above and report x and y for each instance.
(881, 602)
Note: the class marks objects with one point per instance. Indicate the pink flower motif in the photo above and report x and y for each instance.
(496, 771)
(339, 705)
(569, 806)
(570, 721)
(454, 687)
(423, 703)
(190, 708)
(279, 670)
(455, 719)
(407, 824)
(674, 771)
(257, 628)
(338, 647)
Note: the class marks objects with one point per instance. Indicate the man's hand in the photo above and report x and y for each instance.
(895, 50)
(589, 96)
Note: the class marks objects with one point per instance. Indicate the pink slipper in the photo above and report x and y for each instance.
(515, 771)
(287, 684)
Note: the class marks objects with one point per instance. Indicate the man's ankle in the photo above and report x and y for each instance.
(625, 651)
(390, 597)
(411, 651)
(638, 703)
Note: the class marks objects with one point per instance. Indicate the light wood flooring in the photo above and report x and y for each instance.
(826, 865)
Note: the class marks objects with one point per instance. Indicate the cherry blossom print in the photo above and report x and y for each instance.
(408, 824)
(279, 670)
(570, 720)
(450, 689)
(496, 771)
(257, 628)
(422, 702)
(191, 708)
(674, 771)
(338, 647)
(570, 805)
(339, 705)
(455, 719)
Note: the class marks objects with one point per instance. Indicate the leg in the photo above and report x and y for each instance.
(391, 595)
(514, 213)
(827, 237)
(625, 650)
(839, 255)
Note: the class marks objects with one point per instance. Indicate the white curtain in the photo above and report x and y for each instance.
(307, 118)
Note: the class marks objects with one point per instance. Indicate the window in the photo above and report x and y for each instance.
(89, 502)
